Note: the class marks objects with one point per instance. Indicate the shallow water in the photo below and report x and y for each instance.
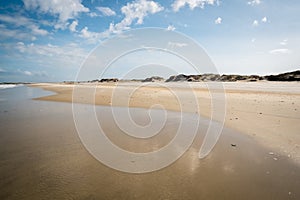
(42, 157)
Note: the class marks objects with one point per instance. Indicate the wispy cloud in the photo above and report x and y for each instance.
(16, 23)
(38, 31)
(280, 51)
(176, 44)
(93, 14)
(254, 2)
(70, 53)
(34, 73)
(284, 42)
(28, 73)
(15, 34)
(39, 62)
(106, 11)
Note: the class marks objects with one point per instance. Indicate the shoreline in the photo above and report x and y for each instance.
(270, 116)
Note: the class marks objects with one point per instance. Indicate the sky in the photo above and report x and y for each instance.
(47, 40)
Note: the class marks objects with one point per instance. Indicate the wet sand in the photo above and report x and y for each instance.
(43, 158)
(269, 112)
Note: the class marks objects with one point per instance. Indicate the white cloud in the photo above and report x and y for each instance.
(171, 28)
(264, 20)
(65, 9)
(106, 11)
(253, 40)
(280, 51)
(176, 44)
(218, 20)
(92, 37)
(255, 23)
(73, 26)
(254, 2)
(135, 11)
(93, 14)
(85, 33)
(37, 31)
(284, 42)
(177, 4)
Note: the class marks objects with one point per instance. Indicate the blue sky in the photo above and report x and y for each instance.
(43, 40)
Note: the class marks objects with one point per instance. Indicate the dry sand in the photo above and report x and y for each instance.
(267, 111)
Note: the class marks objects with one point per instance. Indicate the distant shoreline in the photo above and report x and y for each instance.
(284, 77)
(292, 76)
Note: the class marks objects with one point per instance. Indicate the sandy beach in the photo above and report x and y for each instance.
(42, 156)
(269, 112)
